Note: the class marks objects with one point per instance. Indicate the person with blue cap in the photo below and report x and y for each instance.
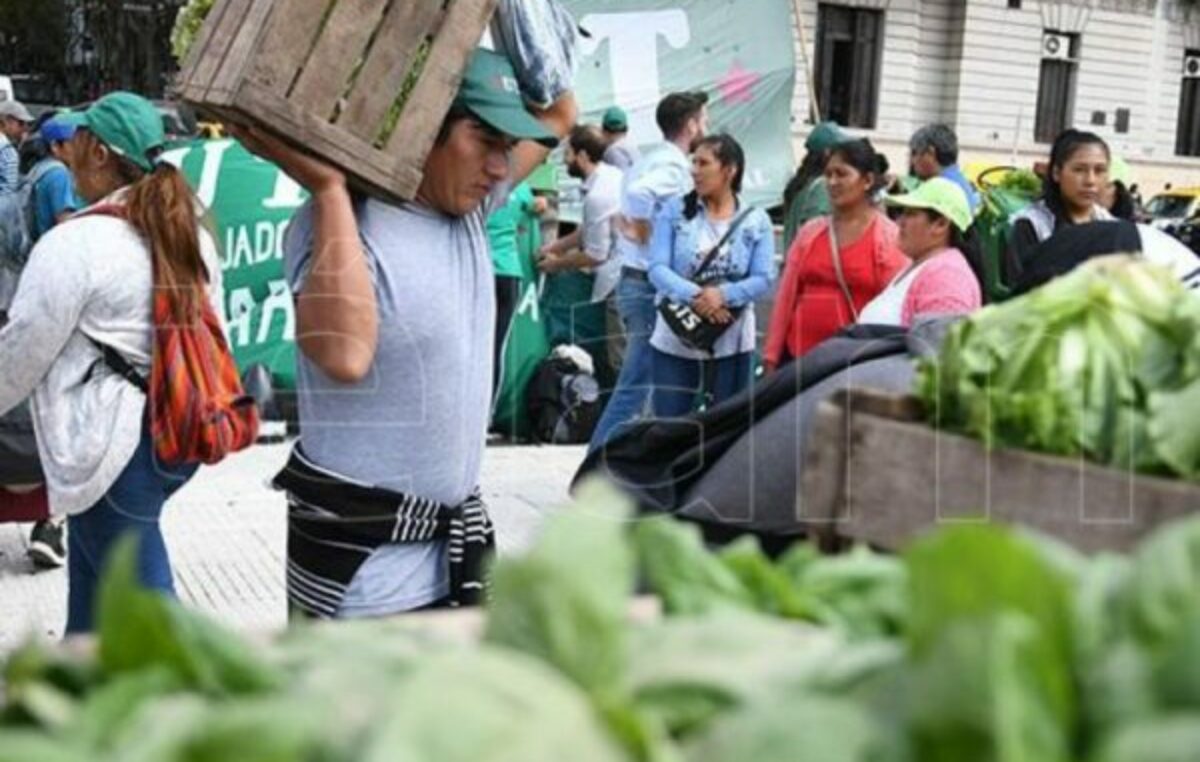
(88, 289)
(54, 196)
(395, 316)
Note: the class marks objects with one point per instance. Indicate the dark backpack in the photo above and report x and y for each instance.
(563, 402)
(19, 462)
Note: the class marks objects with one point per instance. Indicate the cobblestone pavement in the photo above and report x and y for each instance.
(226, 534)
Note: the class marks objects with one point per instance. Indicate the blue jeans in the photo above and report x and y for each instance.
(679, 382)
(635, 304)
(132, 505)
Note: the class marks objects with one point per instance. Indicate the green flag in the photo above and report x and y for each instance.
(251, 202)
(525, 343)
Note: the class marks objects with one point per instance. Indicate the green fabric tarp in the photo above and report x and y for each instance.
(526, 343)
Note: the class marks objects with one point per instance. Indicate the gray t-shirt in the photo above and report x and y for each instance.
(418, 422)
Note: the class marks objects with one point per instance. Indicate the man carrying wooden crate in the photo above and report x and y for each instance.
(395, 310)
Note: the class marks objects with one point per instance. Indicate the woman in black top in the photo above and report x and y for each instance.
(1072, 195)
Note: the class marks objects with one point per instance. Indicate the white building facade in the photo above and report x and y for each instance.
(1008, 75)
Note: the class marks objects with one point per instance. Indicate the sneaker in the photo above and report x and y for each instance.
(46, 548)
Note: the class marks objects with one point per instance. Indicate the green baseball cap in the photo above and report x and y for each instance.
(127, 123)
(942, 196)
(615, 120)
(490, 91)
(824, 136)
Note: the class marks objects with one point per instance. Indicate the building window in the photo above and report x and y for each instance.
(1056, 85)
(849, 54)
(1187, 140)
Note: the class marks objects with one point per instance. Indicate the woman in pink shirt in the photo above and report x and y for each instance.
(939, 281)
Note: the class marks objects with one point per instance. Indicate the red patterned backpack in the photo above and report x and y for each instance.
(199, 412)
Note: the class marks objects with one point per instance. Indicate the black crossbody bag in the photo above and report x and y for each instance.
(690, 327)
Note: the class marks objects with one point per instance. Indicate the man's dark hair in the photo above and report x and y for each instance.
(457, 113)
(588, 140)
(941, 139)
(677, 109)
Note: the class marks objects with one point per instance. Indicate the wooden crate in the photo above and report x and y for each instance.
(874, 472)
(326, 75)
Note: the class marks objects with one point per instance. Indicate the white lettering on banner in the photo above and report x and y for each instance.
(247, 245)
(529, 303)
(288, 194)
(280, 300)
(633, 59)
(176, 156)
(244, 313)
(210, 171)
(239, 314)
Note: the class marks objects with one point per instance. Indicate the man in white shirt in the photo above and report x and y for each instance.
(662, 174)
(592, 248)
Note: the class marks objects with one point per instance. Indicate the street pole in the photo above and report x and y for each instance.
(813, 104)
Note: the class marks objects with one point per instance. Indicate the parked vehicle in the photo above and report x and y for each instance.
(1173, 207)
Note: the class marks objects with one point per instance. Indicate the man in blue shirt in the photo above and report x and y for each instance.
(663, 173)
(934, 153)
(54, 197)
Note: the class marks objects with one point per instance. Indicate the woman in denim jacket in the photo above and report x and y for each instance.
(684, 233)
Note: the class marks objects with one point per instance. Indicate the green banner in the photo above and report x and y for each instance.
(741, 53)
(251, 202)
(526, 342)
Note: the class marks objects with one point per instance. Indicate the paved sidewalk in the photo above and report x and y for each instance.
(226, 534)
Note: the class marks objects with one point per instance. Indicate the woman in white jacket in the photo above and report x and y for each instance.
(89, 282)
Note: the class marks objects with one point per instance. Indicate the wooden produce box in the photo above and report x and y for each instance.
(875, 472)
(328, 75)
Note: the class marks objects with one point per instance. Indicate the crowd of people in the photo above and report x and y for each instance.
(395, 305)
(861, 246)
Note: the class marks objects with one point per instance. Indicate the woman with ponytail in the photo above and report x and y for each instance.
(839, 263)
(90, 284)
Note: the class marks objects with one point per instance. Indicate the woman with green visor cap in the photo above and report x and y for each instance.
(90, 280)
(940, 280)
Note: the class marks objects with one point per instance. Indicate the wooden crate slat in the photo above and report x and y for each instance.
(400, 34)
(286, 43)
(889, 481)
(292, 66)
(318, 136)
(241, 53)
(199, 49)
(327, 71)
(433, 94)
(223, 33)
